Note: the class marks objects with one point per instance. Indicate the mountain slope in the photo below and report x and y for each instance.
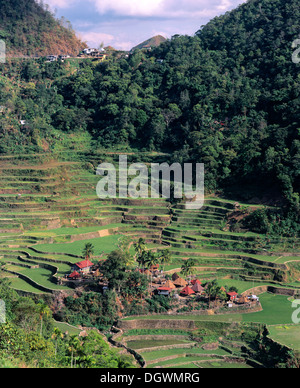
(155, 41)
(29, 28)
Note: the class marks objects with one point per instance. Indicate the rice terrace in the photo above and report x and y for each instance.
(149, 196)
(46, 224)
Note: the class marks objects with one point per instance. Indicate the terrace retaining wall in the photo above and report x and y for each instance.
(30, 281)
(156, 324)
(89, 236)
(274, 290)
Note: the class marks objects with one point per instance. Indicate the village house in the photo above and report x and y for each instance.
(195, 281)
(83, 267)
(52, 58)
(169, 284)
(164, 291)
(232, 296)
(187, 291)
(89, 51)
(180, 282)
(74, 276)
(197, 288)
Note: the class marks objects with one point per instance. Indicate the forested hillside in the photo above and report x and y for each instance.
(227, 97)
(29, 28)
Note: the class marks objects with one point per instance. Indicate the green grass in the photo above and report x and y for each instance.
(224, 365)
(143, 344)
(41, 276)
(180, 360)
(277, 309)
(288, 335)
(73, 231)
(22, 285)
(157, 354)
(65, 328)
(101, 244)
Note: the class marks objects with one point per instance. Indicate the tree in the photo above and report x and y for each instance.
(187, 267)
(165, 257)
(211, 290)
(88, 251)
(150, 261)
(139, 248)
(124, 244)
(114, 269)
(43, 311)
(74, 346)
(57, 334)
(135, 285)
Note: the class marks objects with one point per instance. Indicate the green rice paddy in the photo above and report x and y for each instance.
(43, 205)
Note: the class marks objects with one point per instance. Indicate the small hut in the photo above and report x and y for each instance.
(164, 291)
(197, 288)
(180, 283)
(242, 300)
(74, 275)
(175, 276)
(169, 284)
(232, 295)
(195, 281)
(187, 291)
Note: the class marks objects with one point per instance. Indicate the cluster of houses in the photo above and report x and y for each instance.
(94, 53)
(54, 58)
(85, 269)
(88, 52)
(81, 270)
(185, 289)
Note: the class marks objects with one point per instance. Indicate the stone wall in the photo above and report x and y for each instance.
(274, 290)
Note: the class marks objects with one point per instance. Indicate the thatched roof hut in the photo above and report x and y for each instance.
(180, 282)
(169, 284)
(197, 288)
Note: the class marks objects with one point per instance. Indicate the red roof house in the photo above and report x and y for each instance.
(74, 275)
(195, 281)
(232, 295)
(84, 266)
(164, 291)
(187, 291)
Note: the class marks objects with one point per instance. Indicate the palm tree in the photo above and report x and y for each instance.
(88, 251)
(165, 257)
(87, 361)
(74, 346)
(124, 244)
(211, 290)
(56, 335)
(142, 259)
(43, 309)
(150, 261)
(187, 267)
(140, 248)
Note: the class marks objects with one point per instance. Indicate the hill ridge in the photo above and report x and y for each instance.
(30, 29)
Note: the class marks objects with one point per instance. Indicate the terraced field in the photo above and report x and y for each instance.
(49, 210)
